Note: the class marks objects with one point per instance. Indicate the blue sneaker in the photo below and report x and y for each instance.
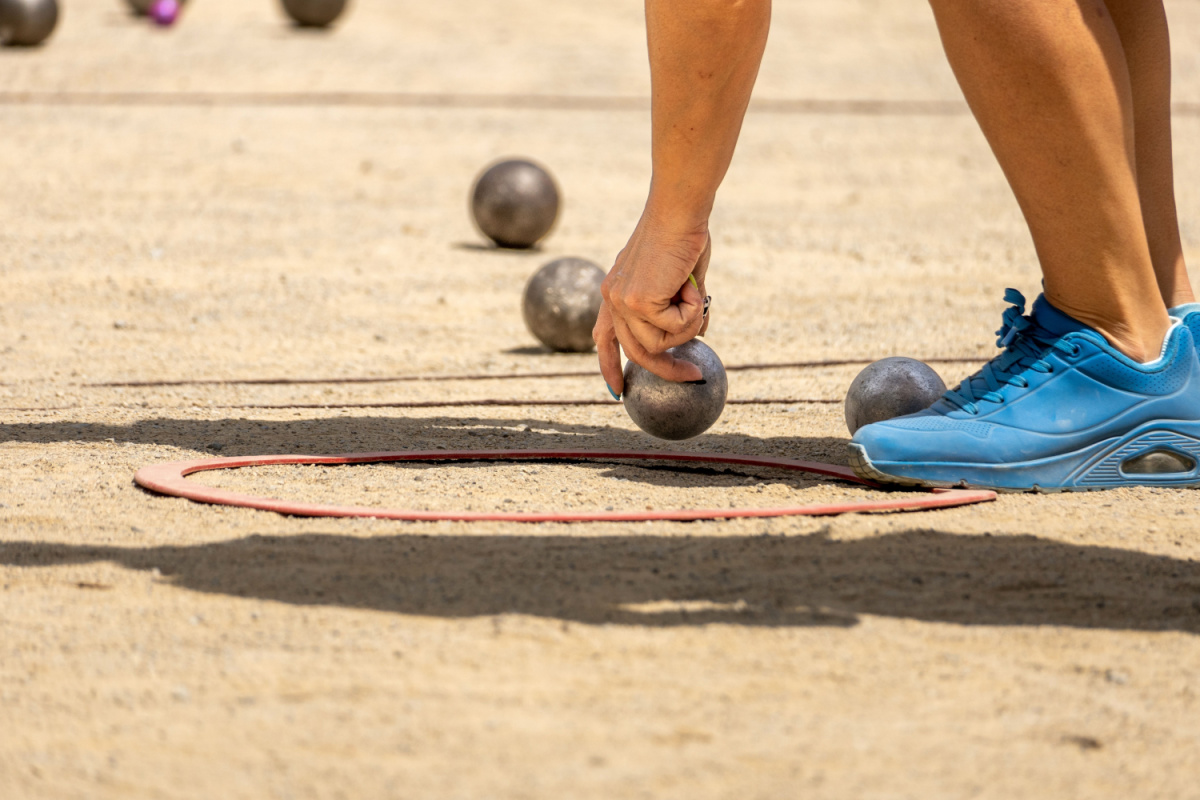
(1059, 410)
(1190, 314)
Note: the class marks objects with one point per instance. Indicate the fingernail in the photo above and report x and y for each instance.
(692, 279)
(615, 396)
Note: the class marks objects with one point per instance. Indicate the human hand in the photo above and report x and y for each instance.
(650, 304)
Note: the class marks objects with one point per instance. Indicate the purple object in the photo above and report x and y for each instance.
(164, 12)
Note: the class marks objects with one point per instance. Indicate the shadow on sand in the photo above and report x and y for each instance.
(244, 435)
(654, 580)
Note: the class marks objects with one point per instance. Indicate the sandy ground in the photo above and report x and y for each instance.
(155, 228)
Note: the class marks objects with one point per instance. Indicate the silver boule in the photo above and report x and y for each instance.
(314, 13)
(889, 388)
(672, 410)
(26, 23)
(515, 203)
(561, 303)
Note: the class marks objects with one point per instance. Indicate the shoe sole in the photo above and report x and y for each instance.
(1094, 468)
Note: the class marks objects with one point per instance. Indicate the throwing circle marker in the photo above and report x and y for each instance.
(171, 479)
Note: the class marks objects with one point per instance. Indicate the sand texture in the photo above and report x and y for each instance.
(186, 215)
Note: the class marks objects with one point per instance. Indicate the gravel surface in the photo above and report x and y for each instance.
(235, 200)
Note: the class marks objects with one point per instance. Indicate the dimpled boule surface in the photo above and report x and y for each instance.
(561, 302)
(27, 22)
(515, 203)
(672, 410)
(889, 388)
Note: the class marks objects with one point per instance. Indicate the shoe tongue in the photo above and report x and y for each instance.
(1053, 320)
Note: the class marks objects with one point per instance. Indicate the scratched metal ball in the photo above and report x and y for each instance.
(314, 13)
(25, 23)
(515, 203)
(672, 410)
(561, 303)
(889, 388)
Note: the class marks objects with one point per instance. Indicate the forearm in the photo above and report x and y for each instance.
(704, 58)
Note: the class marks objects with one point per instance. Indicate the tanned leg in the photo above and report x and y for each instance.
(1049, 85)
(1142, 26)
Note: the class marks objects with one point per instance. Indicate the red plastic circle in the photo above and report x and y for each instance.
(170, 479)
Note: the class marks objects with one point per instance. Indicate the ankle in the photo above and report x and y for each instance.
(1174, 283)
(1180, 297)
(1135, 328)
(1143, 344)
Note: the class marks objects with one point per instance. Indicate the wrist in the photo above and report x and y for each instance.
(678, 211)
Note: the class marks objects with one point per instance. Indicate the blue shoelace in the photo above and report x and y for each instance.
(1025, 346)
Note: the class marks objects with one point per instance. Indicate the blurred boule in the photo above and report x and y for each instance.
(26, 23)
(515, 203)
(314, 13)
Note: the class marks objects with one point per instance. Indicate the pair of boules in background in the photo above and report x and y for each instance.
(514, 203)
(27, 23)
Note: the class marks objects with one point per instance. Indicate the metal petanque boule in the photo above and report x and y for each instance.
(674, 411)
(889, 388)
(561, 303)
(314, 13)
(515, 203)
(26, 23)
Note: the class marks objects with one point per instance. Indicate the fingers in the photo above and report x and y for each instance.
(663, 323)
(611, 334)
(674, 317)
(662, 364)
(646, 312)
(651, 337)
(609, 350)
